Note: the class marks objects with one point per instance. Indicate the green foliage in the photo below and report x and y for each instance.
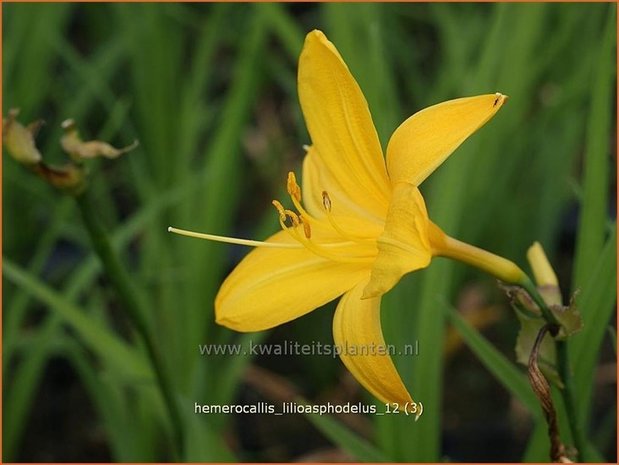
(348, 440)
(503, 370)
(209, 90)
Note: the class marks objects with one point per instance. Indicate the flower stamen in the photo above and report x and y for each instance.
(326, 201)
(304, 239)
(233, 240)
(279, 207)
(293, 188)
(295, 195)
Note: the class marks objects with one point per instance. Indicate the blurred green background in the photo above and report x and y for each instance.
(210, 92)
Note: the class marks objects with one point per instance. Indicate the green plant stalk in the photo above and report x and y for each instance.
(564, 372)
(569, 398)
(514, 275)
(135, 309)
(528, 286)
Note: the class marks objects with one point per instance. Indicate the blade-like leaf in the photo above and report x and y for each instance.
(597, 304)
(592, 226)
(100, 340)
(501, 368)
(340, 435)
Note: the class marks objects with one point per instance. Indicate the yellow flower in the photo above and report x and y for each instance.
(359, 224)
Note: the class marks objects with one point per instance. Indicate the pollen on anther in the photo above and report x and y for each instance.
(326, 201)
(280, 208)
(293, 188)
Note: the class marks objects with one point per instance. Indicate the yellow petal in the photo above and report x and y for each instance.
(317, 179)
(340, 125)
(272, 286)
(428, 137)
(404, 245)
(356, 330)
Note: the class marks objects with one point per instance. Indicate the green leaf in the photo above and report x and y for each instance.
(592, 226)
(529, 329)
(500, 367)
(538, 446)
(109, 402)
(283, 25)
(202, 444)
(343, 437)
(100, 340)
(597, 304)
(16, 305)
(20, 388)
(570, 319)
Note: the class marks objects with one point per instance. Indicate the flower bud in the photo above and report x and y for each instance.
(545, 277)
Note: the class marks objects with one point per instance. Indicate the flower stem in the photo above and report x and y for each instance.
(569, 398)
(134, 308)
(507, 271)
(565, 373)
(528, 286)
(503, 269)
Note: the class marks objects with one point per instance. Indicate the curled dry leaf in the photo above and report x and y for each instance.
(541, 388)
(69, 177)
(79, 150)
(19, 140)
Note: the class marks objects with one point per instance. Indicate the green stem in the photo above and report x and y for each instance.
(499, 267)
(528, 286)
(509, 272)
(133, 306)
(565, 372)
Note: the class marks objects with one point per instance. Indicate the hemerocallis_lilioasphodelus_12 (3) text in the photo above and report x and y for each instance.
(359, 221)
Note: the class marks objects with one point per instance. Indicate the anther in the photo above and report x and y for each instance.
(280, 209)
(326, 201)
(293, 188)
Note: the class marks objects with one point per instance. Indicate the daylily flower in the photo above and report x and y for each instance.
(359, 224)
